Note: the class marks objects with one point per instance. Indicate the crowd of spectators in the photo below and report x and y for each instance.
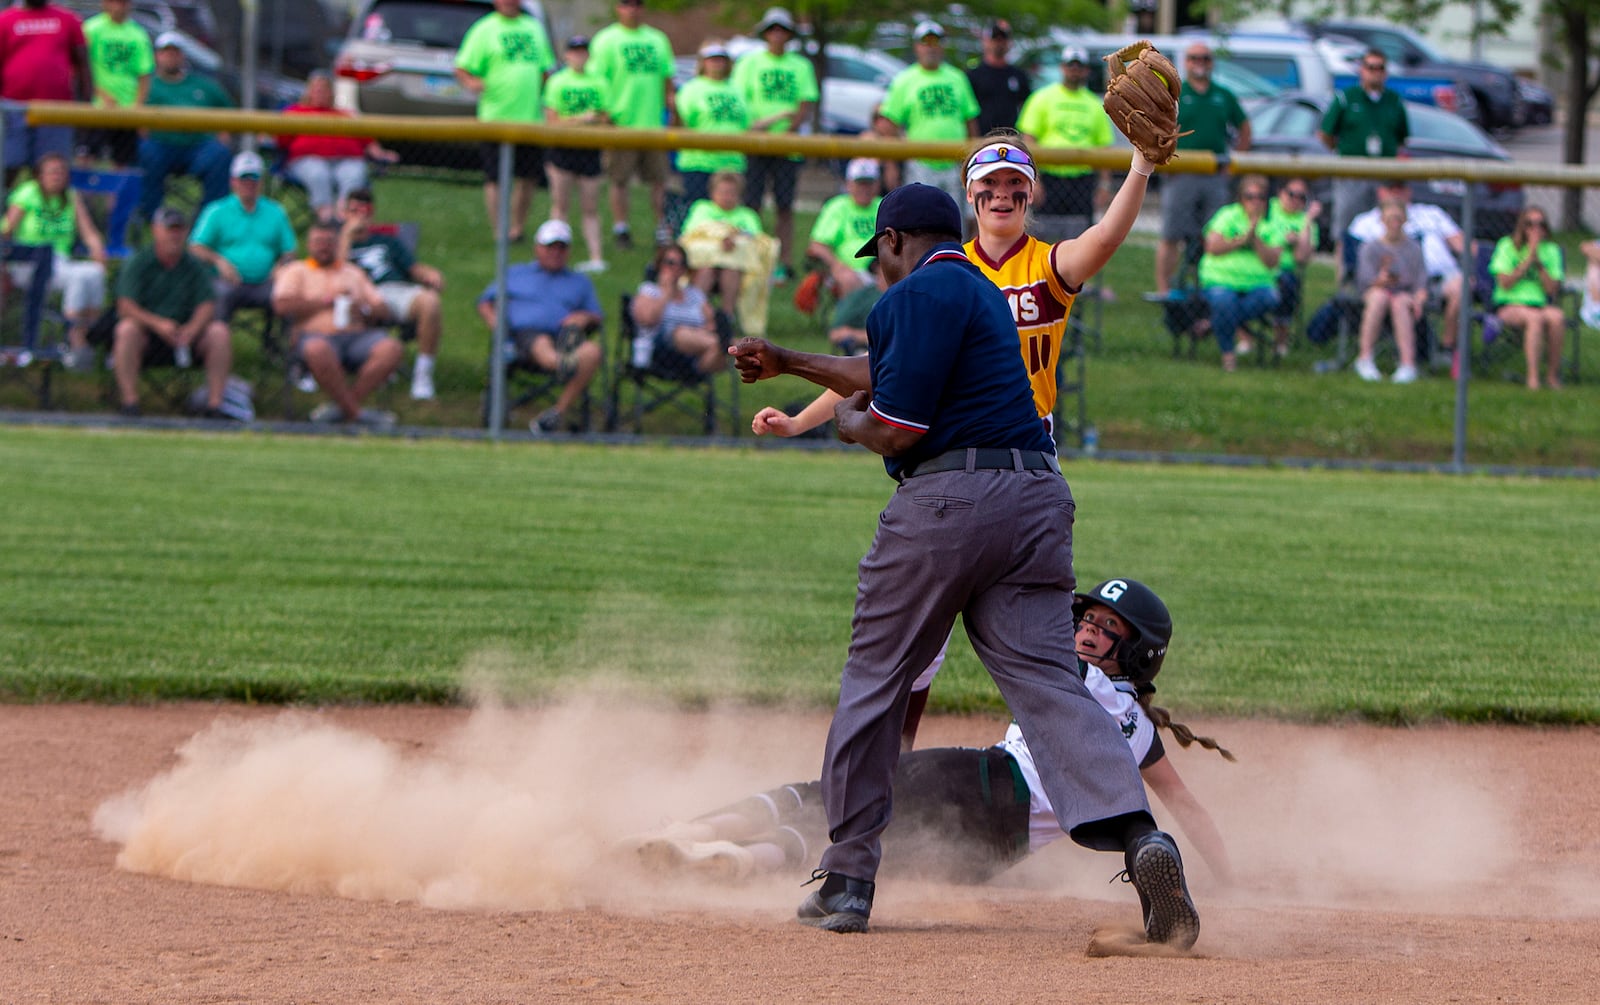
(717, 256)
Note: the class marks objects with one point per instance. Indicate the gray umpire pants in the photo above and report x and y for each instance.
(996, 548)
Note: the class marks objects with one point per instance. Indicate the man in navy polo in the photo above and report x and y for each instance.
(980, 526)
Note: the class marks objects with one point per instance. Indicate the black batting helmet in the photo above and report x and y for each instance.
(1137, 605)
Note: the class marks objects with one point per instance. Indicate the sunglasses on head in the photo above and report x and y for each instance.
(1000, 155)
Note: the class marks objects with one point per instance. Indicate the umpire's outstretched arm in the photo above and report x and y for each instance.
(758, 359)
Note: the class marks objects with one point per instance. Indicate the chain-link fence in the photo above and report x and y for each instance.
(458, 198)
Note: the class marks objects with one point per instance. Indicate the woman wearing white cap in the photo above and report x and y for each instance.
(710, 104)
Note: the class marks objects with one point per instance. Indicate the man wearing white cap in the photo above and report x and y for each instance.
(779, 88)
(161, 154)
(1069, 115)
(843, 224)
(552, 317)
(244, 236)
(932, 101)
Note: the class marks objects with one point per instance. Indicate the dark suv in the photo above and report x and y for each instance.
(1500, 102)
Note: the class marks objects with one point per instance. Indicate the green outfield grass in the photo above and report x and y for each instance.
(143, 566)
(1140, 397)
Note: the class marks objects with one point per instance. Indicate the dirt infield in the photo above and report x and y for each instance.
(204, 853)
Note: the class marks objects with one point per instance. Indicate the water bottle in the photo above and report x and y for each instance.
(1091, 441)
(183, 356)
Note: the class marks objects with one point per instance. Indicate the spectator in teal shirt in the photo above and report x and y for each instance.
(244, 236)
(162, 154)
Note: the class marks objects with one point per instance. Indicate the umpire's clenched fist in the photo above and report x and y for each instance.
(757, 359)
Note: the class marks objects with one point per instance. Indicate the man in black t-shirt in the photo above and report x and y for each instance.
(1000, 87)
(410, 289)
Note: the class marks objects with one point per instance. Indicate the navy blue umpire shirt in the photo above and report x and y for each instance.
(945, 362)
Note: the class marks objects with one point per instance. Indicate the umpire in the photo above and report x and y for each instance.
(981, 526)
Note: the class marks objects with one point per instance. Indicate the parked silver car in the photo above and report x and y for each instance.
(399, 56)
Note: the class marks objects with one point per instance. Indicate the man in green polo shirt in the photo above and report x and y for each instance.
(780, 90)
(121, 61)
(1068, 114)
(1366, 120)
(1214, 121)
(1239, 270)
(932, 101)
(203, 155)
(166, 316)
(845, 223)
(635, 61)
(503, 60)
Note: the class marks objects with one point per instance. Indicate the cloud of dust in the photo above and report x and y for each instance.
(1324, 819)
(519, 809)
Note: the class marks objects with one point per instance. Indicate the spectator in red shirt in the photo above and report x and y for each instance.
(329, 167)
(42, 58)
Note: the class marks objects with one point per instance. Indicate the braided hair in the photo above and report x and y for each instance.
(1162, 719)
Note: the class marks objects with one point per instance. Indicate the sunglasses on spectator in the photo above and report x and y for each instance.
(1541, 224)
(676, 263)
(1294, 193)
(1199, 57)
(1000, 154)
(1375, 67)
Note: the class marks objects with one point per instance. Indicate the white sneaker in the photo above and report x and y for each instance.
(422, 386)
(1367, 370)
(1405, 375)
(592, 265)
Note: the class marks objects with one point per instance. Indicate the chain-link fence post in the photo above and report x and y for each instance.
(1464, 329)
(502, 251)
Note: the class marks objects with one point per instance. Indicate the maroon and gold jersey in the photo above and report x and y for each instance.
(1040, 303)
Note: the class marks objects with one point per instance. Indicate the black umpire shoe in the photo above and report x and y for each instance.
(1156, 870)
(842, 905)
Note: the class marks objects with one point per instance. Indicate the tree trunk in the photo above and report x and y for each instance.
(1579, 92)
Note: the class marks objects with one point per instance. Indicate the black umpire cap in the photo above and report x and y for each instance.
(914, 207)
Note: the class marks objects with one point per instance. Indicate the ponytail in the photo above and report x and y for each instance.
(1162, 719)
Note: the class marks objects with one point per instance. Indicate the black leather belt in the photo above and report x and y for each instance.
(984, 459)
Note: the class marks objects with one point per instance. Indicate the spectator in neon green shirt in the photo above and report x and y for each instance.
(780, 89)
(1068, 114)
(635, 61)
(710, 104)
(845, 223)
(46, 211)
(723, 206)
(503, 60)
(1527, 269)
(932, 101)
(121, 61)
(1239, 270)
(574, 96)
